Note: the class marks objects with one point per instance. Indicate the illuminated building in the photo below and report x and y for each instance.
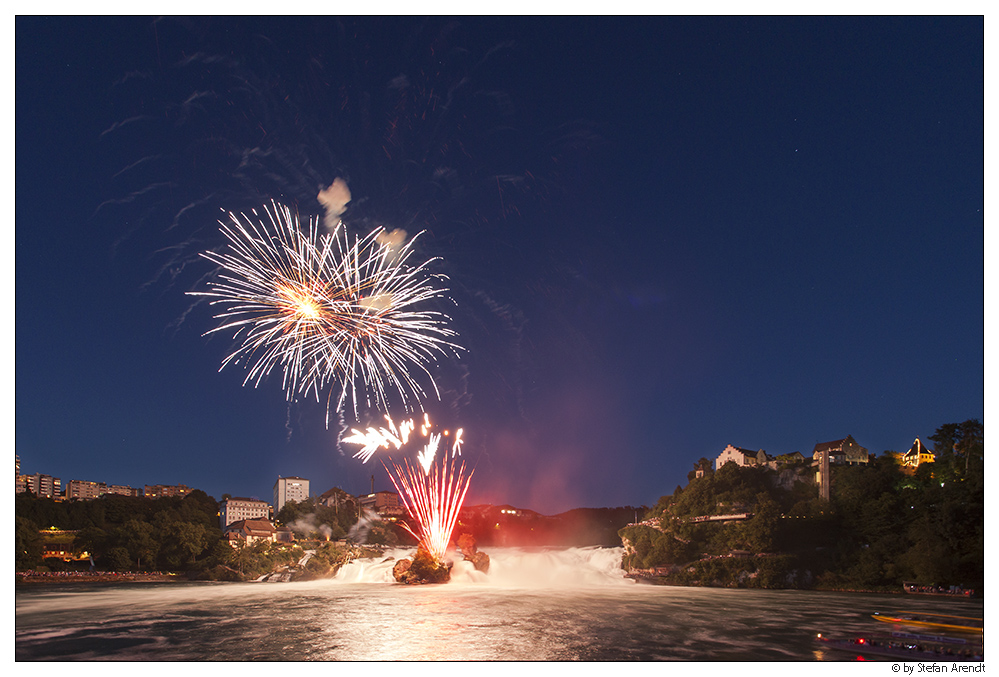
(84, 490)
(741, 457)
(236, 509)
(842, 452)
(289, 489)
(916, 456)
(383, 503)
(44, 485)
(122, 490)
(61, 544)
(249, 532)
(164, 490)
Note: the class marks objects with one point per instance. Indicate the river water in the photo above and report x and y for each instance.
(564, 605)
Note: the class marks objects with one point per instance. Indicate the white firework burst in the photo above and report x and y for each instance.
(330, 311)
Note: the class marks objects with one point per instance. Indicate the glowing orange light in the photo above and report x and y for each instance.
(301, 303)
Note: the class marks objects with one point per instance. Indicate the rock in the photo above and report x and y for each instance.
(466, 543)
(422, 569)
(400, 569)
(480, 560)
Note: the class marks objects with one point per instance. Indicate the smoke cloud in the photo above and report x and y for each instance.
(334, 200)
(393, 239)
(306, 526)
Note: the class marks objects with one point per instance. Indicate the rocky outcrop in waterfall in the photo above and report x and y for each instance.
(480, 560)
(423, 568)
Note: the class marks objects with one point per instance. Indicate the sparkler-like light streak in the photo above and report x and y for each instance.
(328, 311)
(433, 498)
(372, 439)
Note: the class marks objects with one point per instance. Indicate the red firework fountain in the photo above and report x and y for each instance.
(432, 491)
(433, 499)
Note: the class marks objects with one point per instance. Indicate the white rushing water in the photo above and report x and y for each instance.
(509, 568)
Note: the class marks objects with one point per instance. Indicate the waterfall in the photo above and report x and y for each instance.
(509, 568)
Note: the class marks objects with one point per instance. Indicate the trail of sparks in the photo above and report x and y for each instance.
(328, 311)
(372, 439)
(433, 498)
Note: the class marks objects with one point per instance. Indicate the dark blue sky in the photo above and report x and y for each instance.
(663, 236)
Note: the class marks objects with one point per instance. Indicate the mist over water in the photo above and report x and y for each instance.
(551, 605)
(510, 568)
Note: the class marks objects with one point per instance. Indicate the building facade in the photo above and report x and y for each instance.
(123, 490)
(249, 532)
(741, 457)
(842, 452)
(379, 500)
(43, 485)
(916, 456)
(84, 490)
(164, 490)
(289, 489)
(236, 509)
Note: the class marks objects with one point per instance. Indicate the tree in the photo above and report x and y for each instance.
(959, 448)
(119, 559)
(182, 543)
(970, 444)
(27, 544)
(761, 531)
(137, 537)
(92, 540)
(292, 511)
(704, 465)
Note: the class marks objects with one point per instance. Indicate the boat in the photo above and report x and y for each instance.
(940, 621)
(907, 646)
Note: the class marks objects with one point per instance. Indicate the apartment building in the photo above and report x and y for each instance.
(237, 508)
(84, 490)
(289, 489)
(164, 490)
(123, 490)
(40, 485)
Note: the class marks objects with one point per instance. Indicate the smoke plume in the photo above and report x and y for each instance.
(334, 200)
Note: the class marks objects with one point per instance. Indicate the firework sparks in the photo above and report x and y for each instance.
(433, 498)
(328, 311)
(432, 493)
(372, 439)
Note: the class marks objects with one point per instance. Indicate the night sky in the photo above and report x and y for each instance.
(662, 236)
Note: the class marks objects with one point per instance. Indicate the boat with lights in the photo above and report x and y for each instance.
(938, 621)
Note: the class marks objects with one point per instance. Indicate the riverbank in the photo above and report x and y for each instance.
(29, 577)
(653, 579)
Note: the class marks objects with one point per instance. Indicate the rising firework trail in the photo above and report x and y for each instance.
(328, 310)
(433, 498)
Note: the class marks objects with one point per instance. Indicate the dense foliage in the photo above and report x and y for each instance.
(883, 524)
(124, 533)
